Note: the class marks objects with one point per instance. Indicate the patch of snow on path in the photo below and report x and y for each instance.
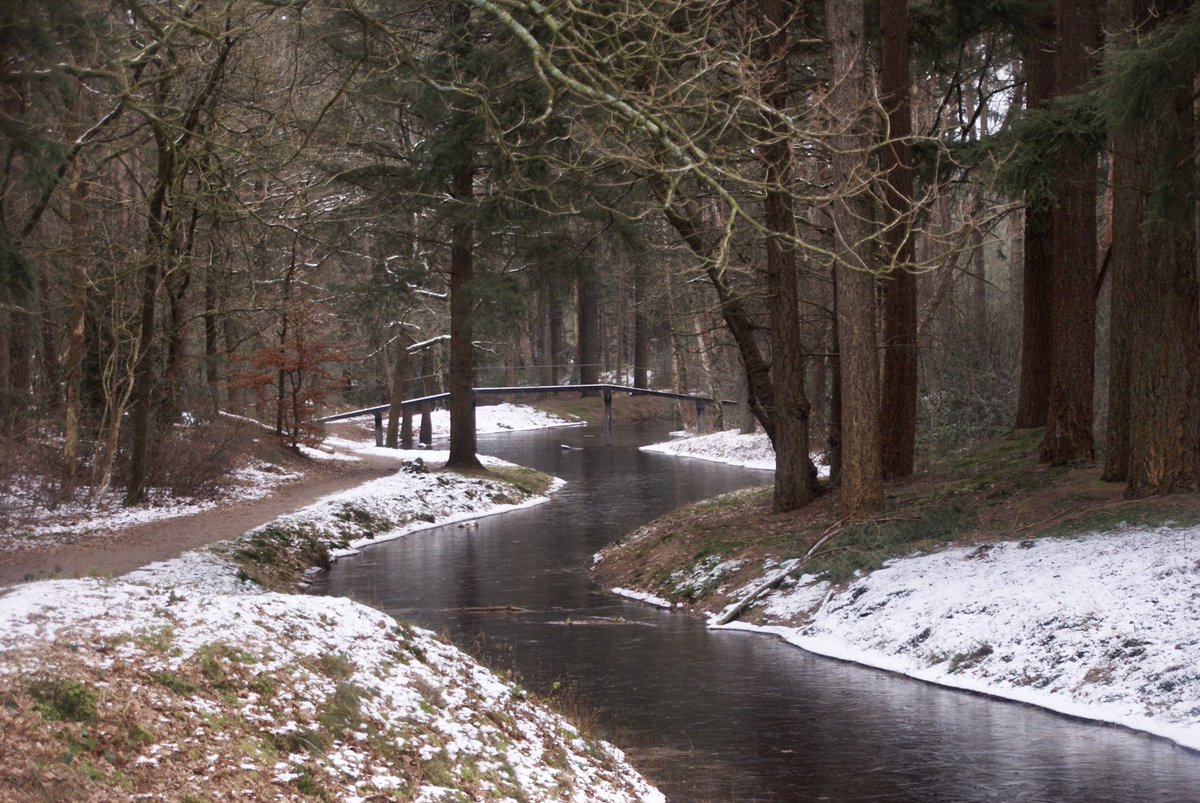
(1105, 627)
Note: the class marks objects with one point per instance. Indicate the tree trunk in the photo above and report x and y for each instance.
(862, 485)
(1034, 386)
(1164, 300)
(684, 218)
(399, 382)
(835, 396)
(641, 328)
(587, 310)
(212, 353)
(76, 329)
(898, 413)
(158, 251)
(557, 338)
(462, 310)
(1125, 222)
(1068, 437)
(793, 485)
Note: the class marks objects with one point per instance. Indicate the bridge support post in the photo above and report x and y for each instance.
(426, 436)
(608, 413)
(699, 417)
(379, 428)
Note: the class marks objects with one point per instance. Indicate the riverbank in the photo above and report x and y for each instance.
(988, 574)
(193, 677)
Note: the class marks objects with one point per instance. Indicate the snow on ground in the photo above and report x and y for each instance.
(241, 692)
(729, 446)
(1105, 627)
(503, 417)
(266, 695)
(413, 498)
(32, 525)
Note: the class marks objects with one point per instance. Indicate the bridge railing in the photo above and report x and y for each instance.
(607, 390)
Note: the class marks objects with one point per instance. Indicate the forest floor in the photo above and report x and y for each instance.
(987, 572)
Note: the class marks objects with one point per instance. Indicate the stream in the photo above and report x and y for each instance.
(714, 715)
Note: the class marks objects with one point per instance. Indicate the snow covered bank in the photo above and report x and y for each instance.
(186, 675)
(727, 446)
(731, 447)
(1105, 627)
(414, 498)
(181, 676)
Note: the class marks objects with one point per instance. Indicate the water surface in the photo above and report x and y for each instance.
(716, 716)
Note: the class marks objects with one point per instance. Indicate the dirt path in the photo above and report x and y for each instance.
(125, 550)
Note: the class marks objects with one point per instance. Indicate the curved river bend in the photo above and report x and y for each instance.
(716, 716)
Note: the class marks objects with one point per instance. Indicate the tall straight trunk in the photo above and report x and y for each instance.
(462, 350)
(1125, 222)
(1068, 437)
(619, 358)
(898, 413)
(862, 484)
(399, 382)
(555, 337)
(680, 382)
(641, 328)
(76, 329)
(1163, 297)
(834, 440)
(425, 433)
(212, 353)
(158, 248)
(1034, 386)
(587, 340)
(793, 485)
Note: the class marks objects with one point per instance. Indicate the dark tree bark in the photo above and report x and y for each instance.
(555, 338)
(461, 381)
(1068, 437)
(76, 330)
(862, 485)
(641, 328)
(793, 485)
(1034, 388)
(898, 413)
(212, 335)
(425, 434)
(1127, 211)
(1162, 295)
(399, 383)
(462, 349)
(158, 250)
(835, 395)
(587, 335)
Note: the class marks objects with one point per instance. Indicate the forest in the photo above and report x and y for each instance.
(886, 227)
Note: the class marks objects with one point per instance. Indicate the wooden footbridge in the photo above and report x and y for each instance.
(426, 402)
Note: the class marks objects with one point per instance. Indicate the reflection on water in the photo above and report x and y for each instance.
(723, 715)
